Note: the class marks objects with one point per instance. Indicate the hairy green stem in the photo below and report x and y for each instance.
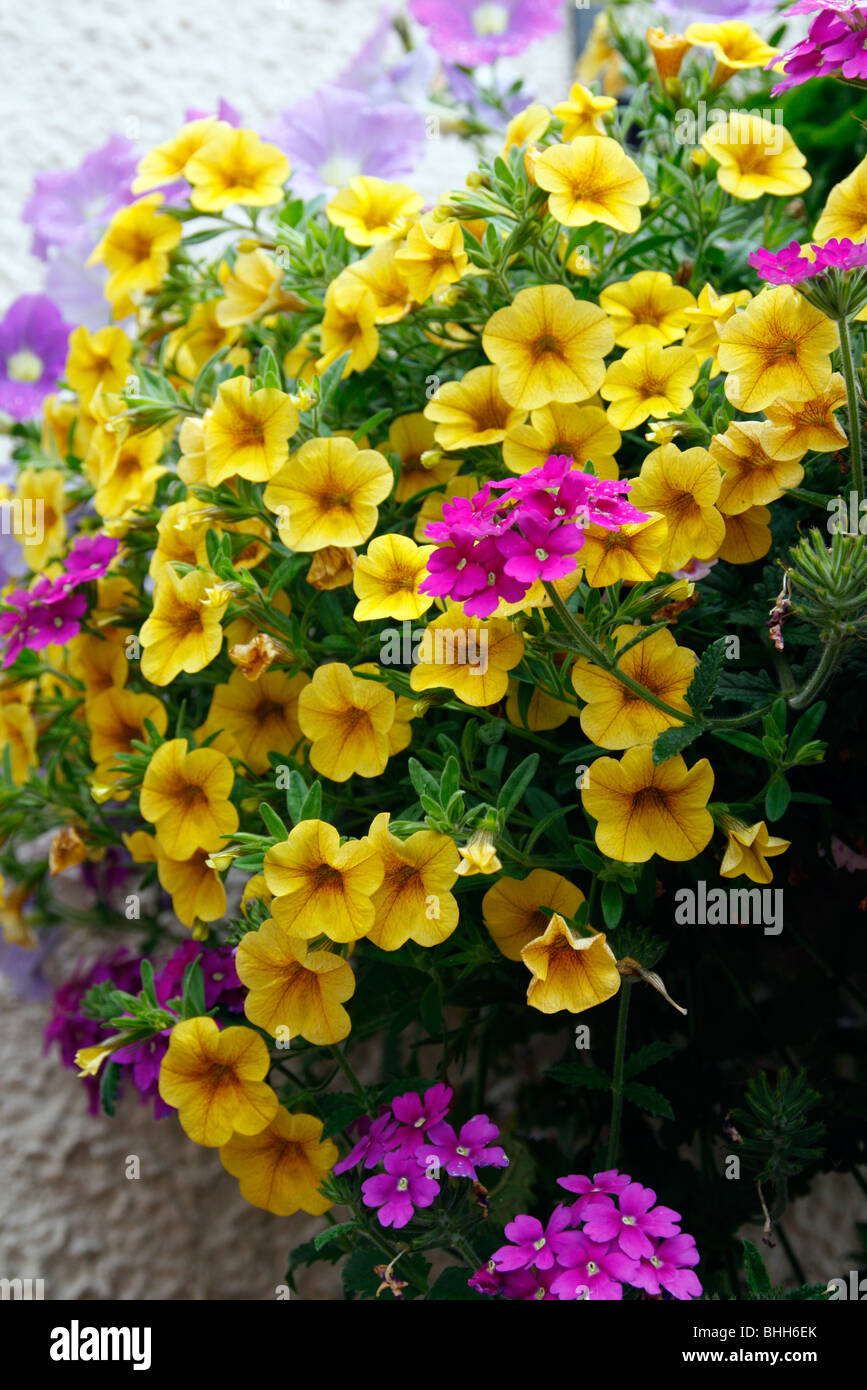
(852, 403)
(617, 1079)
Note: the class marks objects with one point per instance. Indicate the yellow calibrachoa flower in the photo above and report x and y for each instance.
(704, 319)
(294, 988)
(600, 60)
(748, 536)
(413, 902)
(472, 411)
(511, 909)
(321, 887)
(349, 325)
(380, 273)
(432, 255)
(845, 212)
(328, 494)
(735, 44)
(347, 720)
(647, 308)
(570, 972)
(683, 487)
(97, 359)
(592, 180)
(633, 553)
(613, 716)
(116, 717)
(167, 162)
(41, 490)
(583, 113)
(262, 715)
(548, 346)
(247, 432)
(581, 432)
(751, 476)
(371, 209)
(478, 855)
(528, 126)
(470, 656)
(748, 851)
(251, 289)
(235, 166)
(283, 1166)
(777, 348)
(796, 428)
(195, 887)
(100, 663)
(135, 250)
(197, 340)
(649, 381)
(128, 469)
(644, 809)
(411, 437)
(215, 1081)
(183, 632)
(386, 579)
(66, 427)
(543, 711)
(755, 157)
(181, 535)
(18, 733)
(669, 51)
(185, 796)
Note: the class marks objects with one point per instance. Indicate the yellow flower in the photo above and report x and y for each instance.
(799, 427)
(549, 346)
(182, 532)
(293, 988)
(705, 318)
(135, 250)
(613, 716)
(116, 717)
(16, 931)
(262, 715)
(751, 476)
(41, 490)
(570, 972)
(67, 849)
(478, 855)
(845, 212)
(642, 809)
(321, 887)
(168, 161)
(283, 1166)
(185, 796)
(543, 711)
(328, 494)
(183, 632)
(748, 537)
(472, 411)
(433, 255)
(682, 487)
(332, 567)
(247, 432)
(669, 51)
(251, 289)
(128, 469)
(633, 553)
(372, 210)
(649, 381)
(66, 428)
(380, 273)
(411, 437)
(469, 656)
(347, 720)
(100, 663)
(215, 1081)
(386, 579)
(528, 126)
(97, 359)
(756, 156)
(349, 325)
(235, 166)
(592, 180)
(748, 851)
(583, 114)
(511, 909)
(735, 44)
(581, 432)
(413, 902)
(18, 734)
(648, 308)
(777, 348)
(195, 887)
(90, 1059)
(599, 59)
(196, 342)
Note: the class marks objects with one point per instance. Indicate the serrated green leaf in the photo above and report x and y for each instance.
(581, 1077)
(707, 674)
(674, 740)
(758, 1280)
(648, 1056)
(332, 1233)
(648, 1098)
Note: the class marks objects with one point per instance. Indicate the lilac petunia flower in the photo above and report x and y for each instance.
(460, 1154)
(33, 347)
(631, 1226)
(399, 1190)
(225, 112)
(471, 32)
(67, 203)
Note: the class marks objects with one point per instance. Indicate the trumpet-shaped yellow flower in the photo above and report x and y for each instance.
(748, 536)
(845, 212)
(328, 494)
(349, 325)
(347, 720)
(372, 209)
(252, 289)
(235, 166)
(247, 432)
(18, 734)
(262, 715)
(411, 437)
(292, 988)
(283, 1166)
(796, 428)
(128, 470)
(633, 553)
(432, 256)
(478, 855)
(386, 579)
(215, 1081)
(528, 126)
(41, 492)
(97, 359)
(735, 44)
(413, 902)
(380, 273)
(549, 346)
(511, 910)
(751, 476)
(581, 432)
(570, 972)
(592, 180)
(195, 887)
(777, 348)
(167, 162)
(472, 411)
(185, 796)
(682, 487)
(135, 250)
(711, 310)
(649, 381)
(669, 51)
(183, 632)
(469, 656)
(320, 887)
(748, 851)
(644, 809)
(615, 717)
(583, 113)
(755, 157)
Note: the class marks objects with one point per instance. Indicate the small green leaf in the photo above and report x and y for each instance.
(108, 1085)
(296, 795)
(332, 1233)
(649, 1099)
(674, 740)
(612, 904)
(707, 674)
(517, 784)
(758, 1279)
(806, 727)
(311, 808)
(777, 798)
(648, 1056)
(273, 823)
(581, 1077)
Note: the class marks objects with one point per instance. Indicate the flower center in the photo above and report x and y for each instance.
(463, 1152)
(490, 19)
(537, 1245)
(540, 553)
(402, 1184)
(592, 1268)
(629, 1220)
(545, 344)
(24, 366)
(339, 169)
(657, 1263)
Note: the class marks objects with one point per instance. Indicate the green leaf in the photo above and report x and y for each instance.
(451, 779)
(296, 795)
(273, 823)
(707, 674)
(193, 991)
(758, 1280)
(330, 380)
(612, 904)
(359, 1275)
(108, 1084)
(332, 1233)
(338, 1111)
(806, 727)
(748, 743)
(452, 1285)
(423, 781)
(579, 1076)
(777, 798)
(517, 784)
(648, 1056)
(311, 808)
(649, 1099)
(674, 740)
(268, 370)
(147, 983)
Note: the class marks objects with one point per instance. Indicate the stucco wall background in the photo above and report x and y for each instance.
(72, 74)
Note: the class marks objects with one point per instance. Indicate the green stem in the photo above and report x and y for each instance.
(822, 673)
(352, 1078)
(617, 1080)
(852, 403)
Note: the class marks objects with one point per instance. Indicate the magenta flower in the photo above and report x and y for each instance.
(487, 1279)
(415, 1114)
(631, 1226)
(836, 45)
(608, 1182)
(538, 552)
(461, 1154)
(377, 1138)
(670, 1268)
(791, 266)
(399, 1190)
(530, 1285)
(593, 1272)
(471, 32)
(33, 346)
(533, 1244)
(39, 617)
(88, 559)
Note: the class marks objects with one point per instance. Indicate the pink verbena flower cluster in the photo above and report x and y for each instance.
(790, 266)
(411, 1140)
(496, 544)
(50, 611)
(614, 1234)
(836, 45)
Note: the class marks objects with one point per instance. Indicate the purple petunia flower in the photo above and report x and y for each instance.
(67, 204)
(593, 1272)
(791, 265)
(399, 1190)
(377, 1138)
(670, 1268)
(460, 1154)
(533, 1244)
(33, 346)
(471, 32)
(631, 1226)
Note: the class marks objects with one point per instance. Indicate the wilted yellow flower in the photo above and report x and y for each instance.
(332, 567)
(669, 51)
